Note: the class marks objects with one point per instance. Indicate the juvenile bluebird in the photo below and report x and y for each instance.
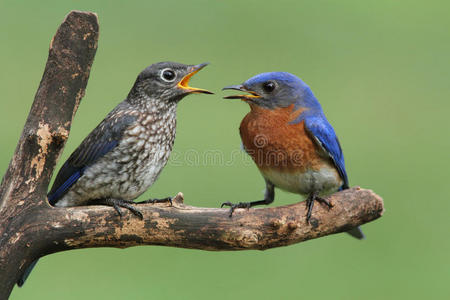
(289, 138)
(124, 155)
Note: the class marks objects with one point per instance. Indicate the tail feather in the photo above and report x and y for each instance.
(357, 233)
(26, 273)
(354, 232)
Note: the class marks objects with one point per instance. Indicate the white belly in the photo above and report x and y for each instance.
(324, 181)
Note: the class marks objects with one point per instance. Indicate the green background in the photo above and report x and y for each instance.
(381, 72)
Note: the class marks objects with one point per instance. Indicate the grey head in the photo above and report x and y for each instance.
(166, 81)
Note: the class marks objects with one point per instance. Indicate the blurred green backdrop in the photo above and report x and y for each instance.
(381, 72)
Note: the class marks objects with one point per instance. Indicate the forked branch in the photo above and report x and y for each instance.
(31, 228)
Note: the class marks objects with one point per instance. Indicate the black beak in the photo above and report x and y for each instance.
(242, 88)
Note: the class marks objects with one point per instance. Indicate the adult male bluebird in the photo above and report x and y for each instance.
(289, 138)
(122, 157)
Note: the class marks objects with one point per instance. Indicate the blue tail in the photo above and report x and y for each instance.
(354, 232)
(357, 233)
(26, 273)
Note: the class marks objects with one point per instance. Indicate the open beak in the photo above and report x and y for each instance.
(183, 84)
(251, 95)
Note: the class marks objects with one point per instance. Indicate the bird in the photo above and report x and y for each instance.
(290, 140)
(124, 155)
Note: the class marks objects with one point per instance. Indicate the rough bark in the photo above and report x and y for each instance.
(24, 186)
(203, 228)
(31, 228)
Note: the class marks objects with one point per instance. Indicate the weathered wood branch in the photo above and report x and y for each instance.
(31, 228)
(208, 228)
(24, 186)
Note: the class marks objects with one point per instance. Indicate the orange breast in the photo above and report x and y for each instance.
(273, 143)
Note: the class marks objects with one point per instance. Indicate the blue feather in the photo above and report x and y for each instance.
(99, 142)
(323, 132)
(290, 89)
(84, 156)
(52, 197)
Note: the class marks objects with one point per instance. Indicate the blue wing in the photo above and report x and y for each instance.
(323, 133)
(100, 141)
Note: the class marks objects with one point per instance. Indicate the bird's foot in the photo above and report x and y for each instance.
(118, 203)
(310, 204)
(233, 206)
(162, 200)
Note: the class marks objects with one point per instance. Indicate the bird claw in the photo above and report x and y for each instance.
(236, 205)
(310, 204)
(228, 203)
(116, 207)
(324, 201)
(118, 203)
(162, 200)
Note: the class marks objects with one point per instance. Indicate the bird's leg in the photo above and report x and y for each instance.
(310, 203)
(162, 200)
(269, 196)
(118, 203)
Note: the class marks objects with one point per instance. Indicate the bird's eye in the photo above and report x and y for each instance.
(168, 75)
(268, 86)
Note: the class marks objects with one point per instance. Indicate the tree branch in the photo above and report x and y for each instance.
(46, 130)
(31, 228)
(24, 186)
(209, 228)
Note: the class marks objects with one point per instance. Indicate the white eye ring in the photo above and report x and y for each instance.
(168, 75)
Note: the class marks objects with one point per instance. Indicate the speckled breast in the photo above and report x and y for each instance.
(132, 166)
(143, 152)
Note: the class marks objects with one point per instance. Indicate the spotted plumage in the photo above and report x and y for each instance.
(141, 139)
(124, 155)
